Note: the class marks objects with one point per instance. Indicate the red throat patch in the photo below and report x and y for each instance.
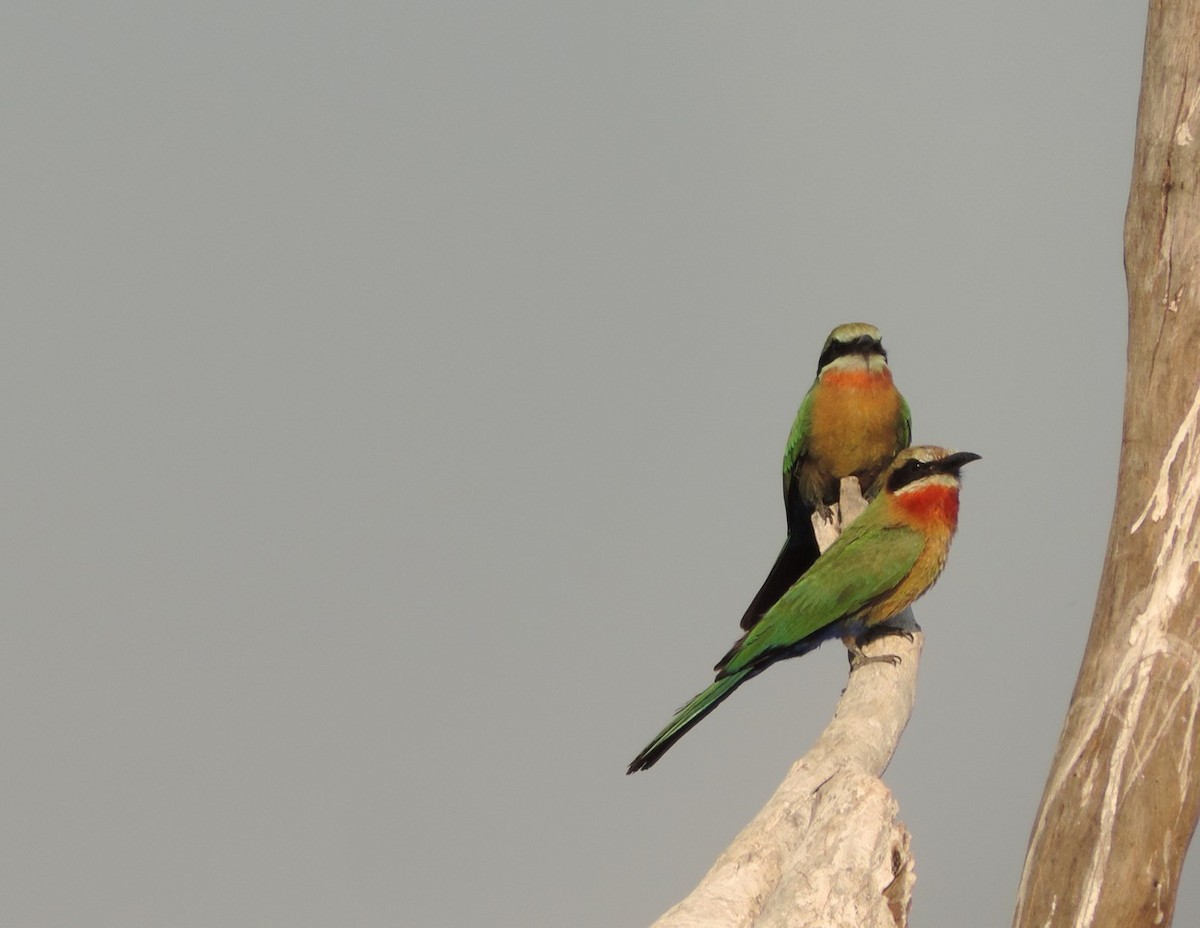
(933, 508)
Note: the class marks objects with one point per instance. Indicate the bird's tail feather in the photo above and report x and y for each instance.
(797, 555)
(687, 717)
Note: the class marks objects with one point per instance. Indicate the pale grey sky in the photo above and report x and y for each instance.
(394, 396)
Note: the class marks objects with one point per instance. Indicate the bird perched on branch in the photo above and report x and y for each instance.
(876, 568)
(851, 423)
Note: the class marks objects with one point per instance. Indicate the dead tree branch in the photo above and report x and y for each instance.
(828, 848)
(1122, 797)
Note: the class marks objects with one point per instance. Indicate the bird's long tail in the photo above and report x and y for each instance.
(797, 555)
(688, 716)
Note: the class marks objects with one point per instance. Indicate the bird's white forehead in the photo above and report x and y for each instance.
(852, 330)
(924, 453)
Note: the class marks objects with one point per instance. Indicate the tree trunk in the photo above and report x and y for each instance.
(828, 849)
(1122, 797)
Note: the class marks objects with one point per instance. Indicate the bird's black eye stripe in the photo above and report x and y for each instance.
(834, 351)
(837, 350)
(906, 473)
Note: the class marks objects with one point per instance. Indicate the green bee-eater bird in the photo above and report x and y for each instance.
(877, 567)
(851, 423)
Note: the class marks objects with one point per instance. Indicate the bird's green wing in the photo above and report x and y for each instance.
(797, 443)
(866, 562)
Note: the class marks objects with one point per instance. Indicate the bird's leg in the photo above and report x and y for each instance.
(854, 645)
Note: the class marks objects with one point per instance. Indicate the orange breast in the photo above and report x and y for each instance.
(854, 419)
(934, 510)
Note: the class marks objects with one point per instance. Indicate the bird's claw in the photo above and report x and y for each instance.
(855, 646)
(858, 659)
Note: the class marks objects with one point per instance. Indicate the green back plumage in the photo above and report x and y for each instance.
(866, 561)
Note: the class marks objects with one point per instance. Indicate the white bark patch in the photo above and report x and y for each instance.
(1189, 491)
(1094, 878)
(1183, 131)
(1150, 641)
(1053, 908)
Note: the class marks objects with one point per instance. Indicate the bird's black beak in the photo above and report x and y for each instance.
(951, 463)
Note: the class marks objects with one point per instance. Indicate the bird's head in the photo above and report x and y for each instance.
(921, 486)
(924, 466)
(856, 342)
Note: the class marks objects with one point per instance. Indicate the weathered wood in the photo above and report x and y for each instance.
(1122, 797)
(828, 849)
